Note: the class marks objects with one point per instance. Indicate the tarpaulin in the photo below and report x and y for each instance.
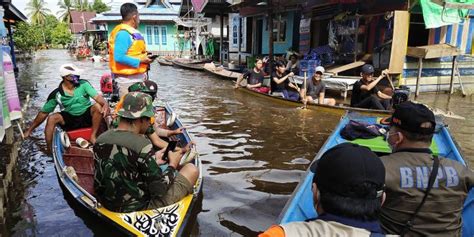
(11, 89)
(436, 15)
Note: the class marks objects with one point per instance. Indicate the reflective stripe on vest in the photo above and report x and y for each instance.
(136, 50)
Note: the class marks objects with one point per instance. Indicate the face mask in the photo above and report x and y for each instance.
(75, 80)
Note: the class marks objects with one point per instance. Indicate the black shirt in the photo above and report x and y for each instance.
(253, 77)
(359, 95)
(278, 87)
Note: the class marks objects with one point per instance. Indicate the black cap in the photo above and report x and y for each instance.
(346, 168)
(413, 117)
(367, 69)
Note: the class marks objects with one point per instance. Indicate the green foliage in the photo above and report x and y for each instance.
(61, 35)
(82, 5)
(48, 28)
(98, 6)
(27, 37)
(37, 11)
(65, 12)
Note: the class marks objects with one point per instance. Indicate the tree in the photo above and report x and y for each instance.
(65, 12)
(61, 34)
(82, 5)
(37, 11)
(99, 7)
(48, 28)
(27, 37)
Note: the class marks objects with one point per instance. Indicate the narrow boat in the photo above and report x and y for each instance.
(164, 61)
(75, 169)
(221, 72)
(190, 64)
(341, 109)
(300, 206)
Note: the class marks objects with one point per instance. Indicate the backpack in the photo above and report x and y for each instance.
(355, 129)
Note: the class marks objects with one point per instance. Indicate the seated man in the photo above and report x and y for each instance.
(408, 170)
(73, 97)
(316, 89)
(348, 195)
(365, 93)
(254, 78)
(280, 83)
(127, 176)
(293, 64)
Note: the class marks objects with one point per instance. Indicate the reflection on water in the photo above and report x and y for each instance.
(254, 151)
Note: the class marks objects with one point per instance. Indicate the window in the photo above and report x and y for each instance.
(149, 36)
(163, 35)
(279, 28)
(156, 35)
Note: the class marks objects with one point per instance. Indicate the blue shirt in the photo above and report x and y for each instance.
(123, 41)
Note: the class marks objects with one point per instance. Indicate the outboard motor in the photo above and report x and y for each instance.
(109, 87)
(400, 95)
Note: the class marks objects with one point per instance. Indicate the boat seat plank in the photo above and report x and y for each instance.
(82, 161)
(345, 67)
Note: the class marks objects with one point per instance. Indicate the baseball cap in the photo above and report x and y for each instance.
(136, 105)
(411, 117)
(367, 69)
(69, 69)
(319, 69)
(345, 170)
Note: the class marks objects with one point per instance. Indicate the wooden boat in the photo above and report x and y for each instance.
(319, 107)
(300, 206)
(221, 72)
(164, 61)
(75, 169)
(190, 64)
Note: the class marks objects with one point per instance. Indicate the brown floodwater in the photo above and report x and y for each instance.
(254, 151)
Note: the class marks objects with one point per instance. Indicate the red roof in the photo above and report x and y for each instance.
(80, 21)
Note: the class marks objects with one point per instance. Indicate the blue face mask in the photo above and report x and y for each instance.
(75, 80)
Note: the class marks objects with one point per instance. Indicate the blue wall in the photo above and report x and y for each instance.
(279, 47)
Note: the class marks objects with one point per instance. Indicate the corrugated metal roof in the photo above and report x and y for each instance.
(103, 18)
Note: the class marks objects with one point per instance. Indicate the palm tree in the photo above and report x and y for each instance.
(82, 5)
(37, 11)
(65, 12)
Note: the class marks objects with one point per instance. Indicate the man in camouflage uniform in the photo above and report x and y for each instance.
(127, 176)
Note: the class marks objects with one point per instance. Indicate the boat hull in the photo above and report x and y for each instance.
(171, 220)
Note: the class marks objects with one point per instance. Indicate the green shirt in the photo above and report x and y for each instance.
(127, 176)
(75, 104)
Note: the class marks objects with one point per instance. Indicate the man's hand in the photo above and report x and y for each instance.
(291, 74)
(385, 72)
(178, 131)
(27, 134)
(236, 86)
(105, 110)
(159, 156)
(146, 60)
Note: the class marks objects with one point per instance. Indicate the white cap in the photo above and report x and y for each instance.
(68, 69)
(319, 69)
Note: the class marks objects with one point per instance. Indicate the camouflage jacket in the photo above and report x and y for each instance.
(127, 177)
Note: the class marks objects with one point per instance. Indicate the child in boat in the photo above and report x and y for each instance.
(280, 83)
(254, 78)
(347, 188)
(315, 91)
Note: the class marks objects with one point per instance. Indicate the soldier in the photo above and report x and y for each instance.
(127, 175)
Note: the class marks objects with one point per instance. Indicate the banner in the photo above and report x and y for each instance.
(234, 20)
(305, 35)
(11, 89)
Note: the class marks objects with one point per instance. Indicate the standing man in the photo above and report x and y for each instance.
(365, 93)
(127, 50)
(409, 168)
(127, 176)
(347, 188)
(73, 97)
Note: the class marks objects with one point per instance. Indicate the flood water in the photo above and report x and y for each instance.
(254, 151)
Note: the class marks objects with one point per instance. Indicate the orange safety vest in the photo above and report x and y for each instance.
(136, 50)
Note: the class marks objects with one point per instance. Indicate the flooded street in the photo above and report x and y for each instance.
(253, 151)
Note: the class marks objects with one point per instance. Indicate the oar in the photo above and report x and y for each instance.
(389, 78)
(304, 94)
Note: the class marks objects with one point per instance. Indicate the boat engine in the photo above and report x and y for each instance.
(400, 95)
(109, 87)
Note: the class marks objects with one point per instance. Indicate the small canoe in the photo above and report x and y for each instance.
(190, 66)
(300, 206)
(75, 169)
(318, 107)
(221, 72)
(164, 61)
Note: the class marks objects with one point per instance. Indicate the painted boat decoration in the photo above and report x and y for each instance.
(221, 72)
(300, 205)
(75, 169)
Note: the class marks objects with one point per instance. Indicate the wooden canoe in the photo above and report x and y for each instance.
(221, 72)
(189, 64)
(164, 62)
(318, 107)
(171, 220)
(300, 206)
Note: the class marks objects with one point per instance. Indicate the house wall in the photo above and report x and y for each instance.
(279, 47)
(170, 48)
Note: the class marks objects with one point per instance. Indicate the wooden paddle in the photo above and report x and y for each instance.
(304, 86)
